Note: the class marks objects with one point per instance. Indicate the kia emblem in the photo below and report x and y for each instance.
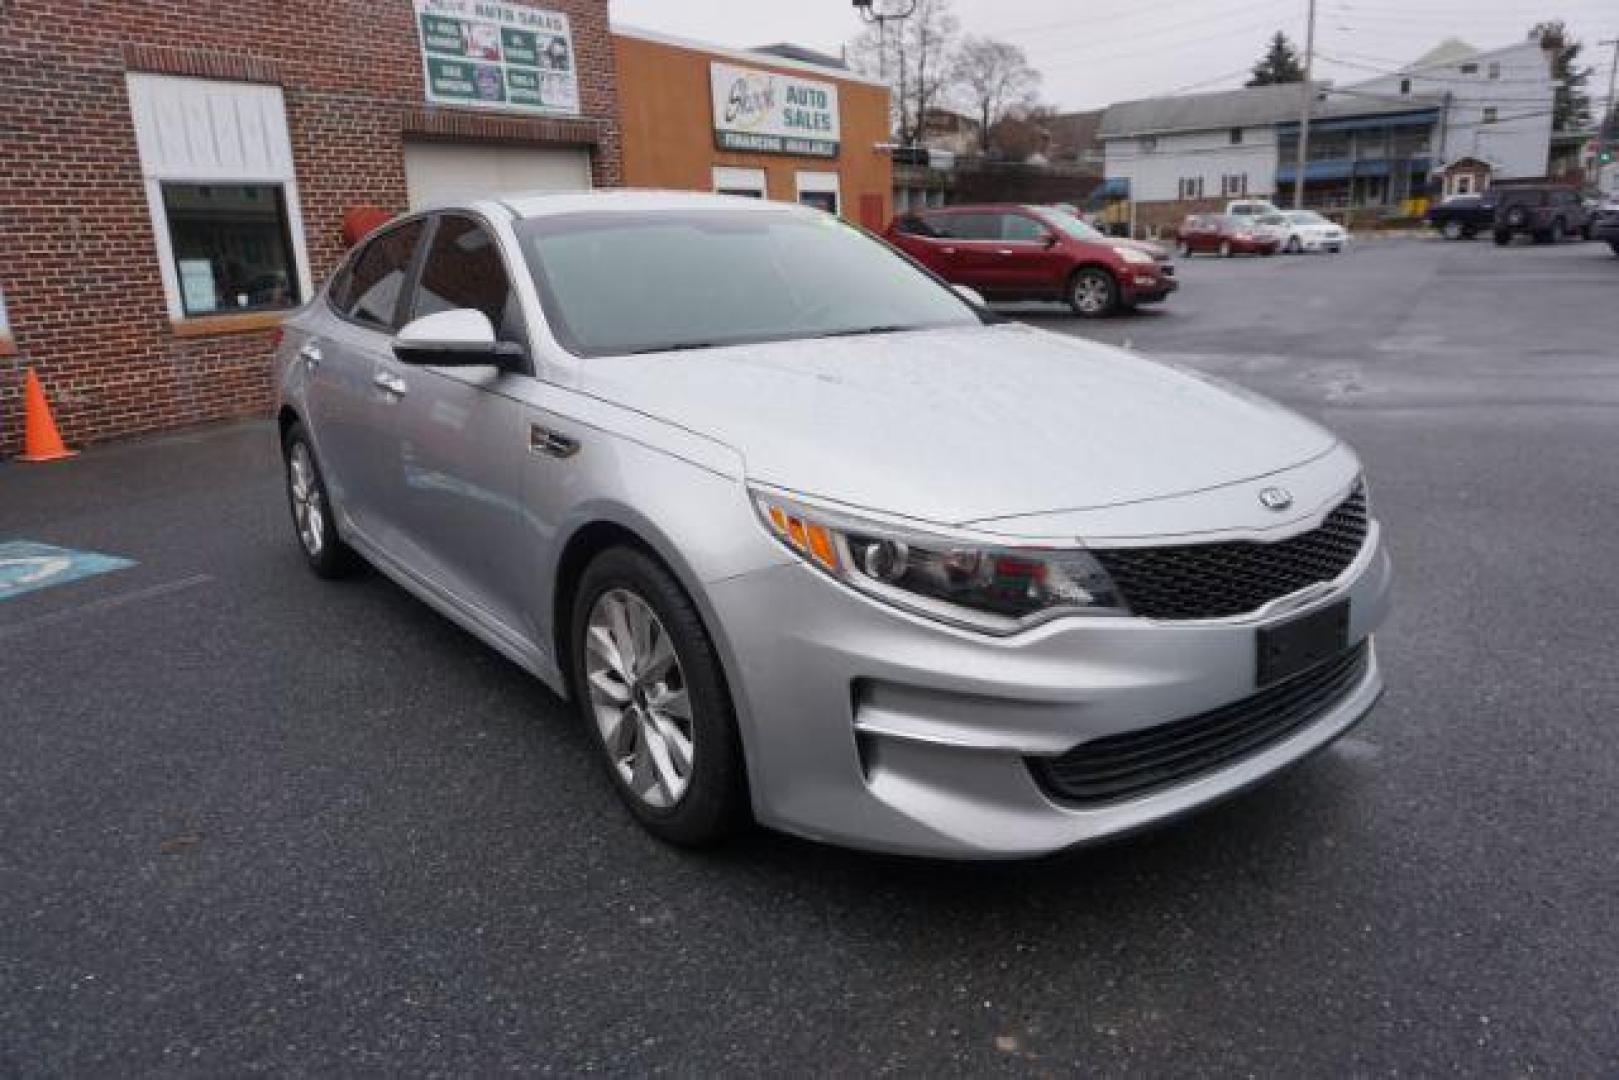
(1276, 498)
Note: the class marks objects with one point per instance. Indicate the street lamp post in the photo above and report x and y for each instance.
(873, 11)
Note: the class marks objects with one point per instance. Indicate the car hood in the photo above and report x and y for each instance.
(1157, 251)
(961, 425)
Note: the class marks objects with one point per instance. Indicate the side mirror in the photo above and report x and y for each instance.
(460, 338)
(1049, 240)
(971, 295)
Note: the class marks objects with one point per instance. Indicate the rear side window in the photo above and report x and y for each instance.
(372, 289)
(464, 270)
(915, 225)
(969, 226)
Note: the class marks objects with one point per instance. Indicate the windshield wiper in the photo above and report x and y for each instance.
(864, 330)
(680, 346)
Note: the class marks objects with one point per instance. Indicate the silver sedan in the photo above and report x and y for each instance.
(816, 541)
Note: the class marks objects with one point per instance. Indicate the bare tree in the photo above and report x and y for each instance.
(914, 54)
(994, 77)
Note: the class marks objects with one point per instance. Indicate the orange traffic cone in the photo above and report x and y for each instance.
(41, 440)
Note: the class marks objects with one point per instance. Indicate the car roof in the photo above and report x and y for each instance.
(536, 204)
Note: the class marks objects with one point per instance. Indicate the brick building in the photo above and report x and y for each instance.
(174, 175)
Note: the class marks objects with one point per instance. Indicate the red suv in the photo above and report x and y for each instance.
(1034, 253)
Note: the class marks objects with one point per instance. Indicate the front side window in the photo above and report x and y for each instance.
(464, 270)
(615, 283)
(232, 247)
(1021, 229)
(374, 285)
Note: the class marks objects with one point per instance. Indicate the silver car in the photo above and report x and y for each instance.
(816, 541)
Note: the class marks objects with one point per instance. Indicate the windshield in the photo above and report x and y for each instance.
(1272, 219)
(614, 282)
(1073, 226)
(1307, 217)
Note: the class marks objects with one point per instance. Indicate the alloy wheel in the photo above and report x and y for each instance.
(1092, 294)
(308, 507)
(638, 696)
(1453, 230)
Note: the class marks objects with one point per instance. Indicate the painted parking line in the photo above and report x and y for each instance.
(26, 566)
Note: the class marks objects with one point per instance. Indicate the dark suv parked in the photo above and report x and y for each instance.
(1547, 212)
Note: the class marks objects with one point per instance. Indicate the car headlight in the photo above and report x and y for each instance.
(994, 589)
(1136, 256)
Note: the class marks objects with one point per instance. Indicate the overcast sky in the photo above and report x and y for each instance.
(1094, 53)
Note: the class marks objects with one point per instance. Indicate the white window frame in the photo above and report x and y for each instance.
(731, 178)
(818, 183)
(164, 108)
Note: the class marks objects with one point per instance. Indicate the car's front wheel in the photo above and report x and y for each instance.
(649, 682)
(1452, 230)
(1225, 249)
(312, 516)
(1093, 293)
(1294, 245)
(1503, 237)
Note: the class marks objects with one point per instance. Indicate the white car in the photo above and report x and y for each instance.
(1247, 208)
(1306, 230)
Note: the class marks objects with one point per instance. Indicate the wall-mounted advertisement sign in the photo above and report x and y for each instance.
(766, 112)
(498, 55)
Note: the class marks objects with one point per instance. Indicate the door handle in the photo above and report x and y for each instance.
(948, 250)
(390, 383)
(311, 355)
(1005, 251)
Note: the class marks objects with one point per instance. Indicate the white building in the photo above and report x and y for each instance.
(1499, 105)
(1373, 144)
(1198, 146)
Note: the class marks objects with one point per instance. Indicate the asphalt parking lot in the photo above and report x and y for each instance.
(254, 821)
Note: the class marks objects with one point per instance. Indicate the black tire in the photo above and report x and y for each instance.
(714, 804)
(1556, 233)
(323, 549)
(1093, 293)
(1294, 246)
(1503, 237)
(1613, 245)
(1452, 230)
(1469, 232)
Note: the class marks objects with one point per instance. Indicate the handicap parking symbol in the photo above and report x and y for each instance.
(26, 566)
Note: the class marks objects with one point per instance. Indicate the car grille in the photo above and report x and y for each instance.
(1136, 763)
(1219, 580)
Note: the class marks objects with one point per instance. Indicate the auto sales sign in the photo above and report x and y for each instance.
(766, 112)
(498, 55)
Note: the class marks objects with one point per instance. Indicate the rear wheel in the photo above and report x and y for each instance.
(648, 681)
(1225, 249)
(1503, 237)
(312, 516)
(1555, 233)
(1613, 245)
(1185, 250)
(1294, 245)
(1452, 230)
(1093, 293)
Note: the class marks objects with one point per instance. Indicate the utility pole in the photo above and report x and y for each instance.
(1609, 128)
(1304, 111)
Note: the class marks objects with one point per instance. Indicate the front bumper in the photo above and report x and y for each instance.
(869, 727)
(1148, 285)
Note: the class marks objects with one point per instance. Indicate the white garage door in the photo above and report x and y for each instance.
(455, 172)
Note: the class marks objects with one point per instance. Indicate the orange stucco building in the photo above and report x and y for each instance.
(701, 118)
